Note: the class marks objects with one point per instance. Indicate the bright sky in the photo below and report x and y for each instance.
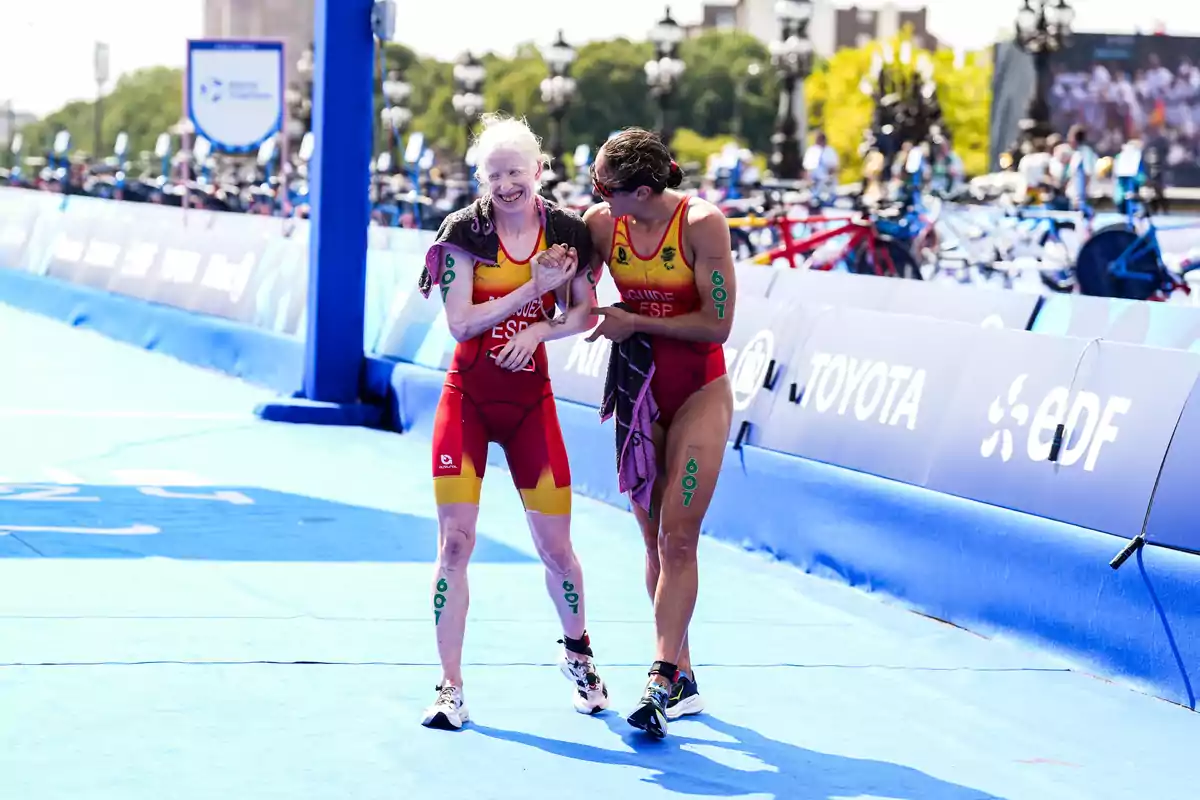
(46, 59)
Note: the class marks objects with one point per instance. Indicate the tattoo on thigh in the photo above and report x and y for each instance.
(571, 596)
(439, 600)
(689, 481)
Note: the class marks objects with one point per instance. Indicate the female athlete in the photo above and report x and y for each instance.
(669, 256)
(502, 265)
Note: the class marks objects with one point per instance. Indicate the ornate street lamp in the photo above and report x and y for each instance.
(557, 90)
(469, 75)
(395, 114)
(299, 99)
(1042, 30)
(792, 56)
(665, 69)
(905, 96)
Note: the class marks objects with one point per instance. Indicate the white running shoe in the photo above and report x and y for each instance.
(590, 695)
(448, 712)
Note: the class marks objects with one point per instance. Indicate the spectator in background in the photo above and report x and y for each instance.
(821, 164)
(1080, 169)
(1034, 169)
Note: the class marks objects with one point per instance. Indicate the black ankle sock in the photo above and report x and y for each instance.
(583, 645)
(665, 669)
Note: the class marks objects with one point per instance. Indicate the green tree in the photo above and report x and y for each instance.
(838, 107)
(965, 93)
(143, 104)
(610, 79)
(718, 95)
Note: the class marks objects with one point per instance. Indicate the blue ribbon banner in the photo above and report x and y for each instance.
(235, 91)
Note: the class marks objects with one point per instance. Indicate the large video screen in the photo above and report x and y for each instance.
(1133, 87)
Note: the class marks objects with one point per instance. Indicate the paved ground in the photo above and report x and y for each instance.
(195, 604)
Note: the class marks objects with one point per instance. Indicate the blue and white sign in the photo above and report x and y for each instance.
(235, 91)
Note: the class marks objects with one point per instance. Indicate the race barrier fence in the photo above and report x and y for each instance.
(914, 439)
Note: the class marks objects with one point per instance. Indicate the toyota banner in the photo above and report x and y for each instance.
(870, 391)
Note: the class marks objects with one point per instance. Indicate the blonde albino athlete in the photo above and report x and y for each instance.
(502, 266)
(670, 257)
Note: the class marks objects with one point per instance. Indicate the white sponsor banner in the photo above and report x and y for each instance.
(235, 92)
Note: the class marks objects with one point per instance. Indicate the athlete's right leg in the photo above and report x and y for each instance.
(694, 452)
(684, 699)
(537, 459)
(459, 461)
(650, 524)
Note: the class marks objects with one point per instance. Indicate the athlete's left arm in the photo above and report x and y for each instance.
(712, 257)
(580, 317)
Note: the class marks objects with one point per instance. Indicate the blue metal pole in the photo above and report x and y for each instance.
(339, 174)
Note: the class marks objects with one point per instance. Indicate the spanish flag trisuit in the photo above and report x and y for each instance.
(663, 284)
(483, 403)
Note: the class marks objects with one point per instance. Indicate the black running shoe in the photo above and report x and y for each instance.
(651, 714)
(685, 698)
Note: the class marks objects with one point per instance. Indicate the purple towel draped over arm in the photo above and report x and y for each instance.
(627, 395)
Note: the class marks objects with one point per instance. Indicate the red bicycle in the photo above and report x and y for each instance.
(880, 245)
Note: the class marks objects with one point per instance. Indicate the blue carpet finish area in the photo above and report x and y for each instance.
(197, 604)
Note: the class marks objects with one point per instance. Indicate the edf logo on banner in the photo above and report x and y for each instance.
(1089, 423)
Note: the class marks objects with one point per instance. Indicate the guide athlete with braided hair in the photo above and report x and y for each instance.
(670, 257)
(503, 265)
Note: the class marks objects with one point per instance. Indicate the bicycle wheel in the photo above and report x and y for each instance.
(1099, 253)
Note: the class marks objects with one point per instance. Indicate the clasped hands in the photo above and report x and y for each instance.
(556, 266)
(551, 268)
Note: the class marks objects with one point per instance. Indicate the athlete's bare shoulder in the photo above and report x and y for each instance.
(699, 210)
(598, 215)
(600, 223)
(706, 229)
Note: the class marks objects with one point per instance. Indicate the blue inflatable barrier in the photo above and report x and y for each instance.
(870, 391)
(252, 354)
(1175, 514)
(240, 267)
(976, 413)
(756, 280)
(991, 570)
(900, 452)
